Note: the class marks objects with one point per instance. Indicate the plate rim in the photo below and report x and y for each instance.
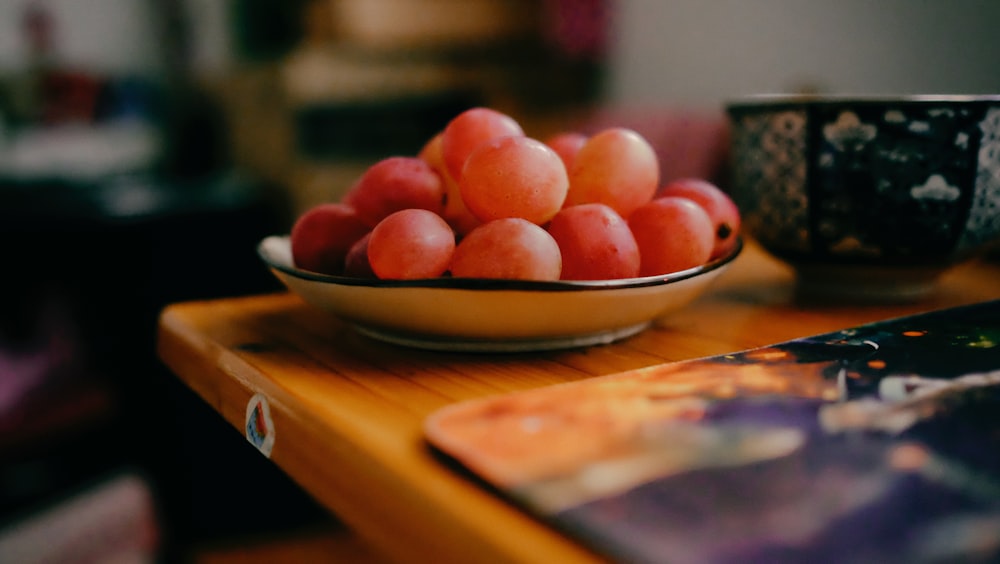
(446, 282)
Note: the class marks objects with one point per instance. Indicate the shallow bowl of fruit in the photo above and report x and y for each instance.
(493, 315)
(491, 240)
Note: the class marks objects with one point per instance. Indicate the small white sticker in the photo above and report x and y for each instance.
(259, 426)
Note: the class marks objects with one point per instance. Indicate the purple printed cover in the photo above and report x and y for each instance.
(879, 443)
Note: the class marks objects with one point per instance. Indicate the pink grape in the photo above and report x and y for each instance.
(393, 184)
(410, 244)
(595, 242)
(672, 234)
(567, 144)
(720, 207)
(470, 129)
(617, 167)
(509, 248)
(321, 237)
(455, 211)
(514, 177)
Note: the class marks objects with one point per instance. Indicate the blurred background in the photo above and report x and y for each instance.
(147, 145)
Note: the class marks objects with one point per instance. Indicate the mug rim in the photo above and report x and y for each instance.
(769, 100)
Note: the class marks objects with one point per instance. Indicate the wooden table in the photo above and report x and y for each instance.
(348, 411)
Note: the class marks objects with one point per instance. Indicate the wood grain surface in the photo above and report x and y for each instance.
(348, 412)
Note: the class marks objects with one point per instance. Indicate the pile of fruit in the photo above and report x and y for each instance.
(484, 200)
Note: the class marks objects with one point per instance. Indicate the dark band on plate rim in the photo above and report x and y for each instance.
(447, 282)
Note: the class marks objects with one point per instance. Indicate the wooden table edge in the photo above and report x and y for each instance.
(434, 530)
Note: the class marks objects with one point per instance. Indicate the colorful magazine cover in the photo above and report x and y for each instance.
(879, 443)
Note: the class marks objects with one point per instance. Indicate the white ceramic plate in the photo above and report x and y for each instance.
(478, 315)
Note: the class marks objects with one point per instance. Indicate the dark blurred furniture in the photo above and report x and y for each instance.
(88, 267)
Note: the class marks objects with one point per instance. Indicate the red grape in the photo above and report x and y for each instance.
(455, 212)
(567, 144)
(411, 244)
(356, 262)
(596, 243)
(468, 130)
(322, 236)
(673, 234)
(514, 177)
(720, 207)
(393, 184)
(617, 167)
(510, 248)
